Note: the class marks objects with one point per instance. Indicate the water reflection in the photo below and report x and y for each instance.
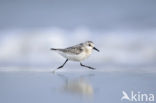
(79, 85)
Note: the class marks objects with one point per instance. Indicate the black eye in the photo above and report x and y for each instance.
(89, 44)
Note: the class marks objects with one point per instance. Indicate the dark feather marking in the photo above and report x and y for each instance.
(77, 49)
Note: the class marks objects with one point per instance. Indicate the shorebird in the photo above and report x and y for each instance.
(77, 53)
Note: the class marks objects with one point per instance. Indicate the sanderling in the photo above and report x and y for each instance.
(77, 53)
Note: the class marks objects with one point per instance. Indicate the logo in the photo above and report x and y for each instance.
(137, 97)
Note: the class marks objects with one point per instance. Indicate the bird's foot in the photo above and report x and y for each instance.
(59, 67)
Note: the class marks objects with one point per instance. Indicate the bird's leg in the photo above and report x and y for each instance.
(86, 66)
(63, 64)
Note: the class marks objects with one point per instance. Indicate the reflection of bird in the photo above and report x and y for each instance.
(125, 96)
(77, 53)
(77, 86)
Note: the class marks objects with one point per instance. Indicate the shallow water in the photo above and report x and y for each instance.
(41, 85)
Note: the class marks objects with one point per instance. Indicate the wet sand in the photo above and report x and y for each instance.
(41, 85)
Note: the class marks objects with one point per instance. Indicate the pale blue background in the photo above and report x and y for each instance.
(124, 31)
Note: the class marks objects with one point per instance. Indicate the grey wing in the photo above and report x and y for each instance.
(77, 49)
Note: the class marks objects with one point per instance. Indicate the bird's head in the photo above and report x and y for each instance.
(90, 45)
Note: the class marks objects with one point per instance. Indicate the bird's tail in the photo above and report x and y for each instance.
(53, 49)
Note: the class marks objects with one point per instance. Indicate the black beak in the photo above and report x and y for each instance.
(96, 49)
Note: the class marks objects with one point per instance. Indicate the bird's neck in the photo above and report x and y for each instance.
(88, 51)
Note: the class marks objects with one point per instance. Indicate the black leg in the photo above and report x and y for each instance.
(86, 66)
(63, 64)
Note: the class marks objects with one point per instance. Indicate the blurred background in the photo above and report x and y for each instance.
(124, 31)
